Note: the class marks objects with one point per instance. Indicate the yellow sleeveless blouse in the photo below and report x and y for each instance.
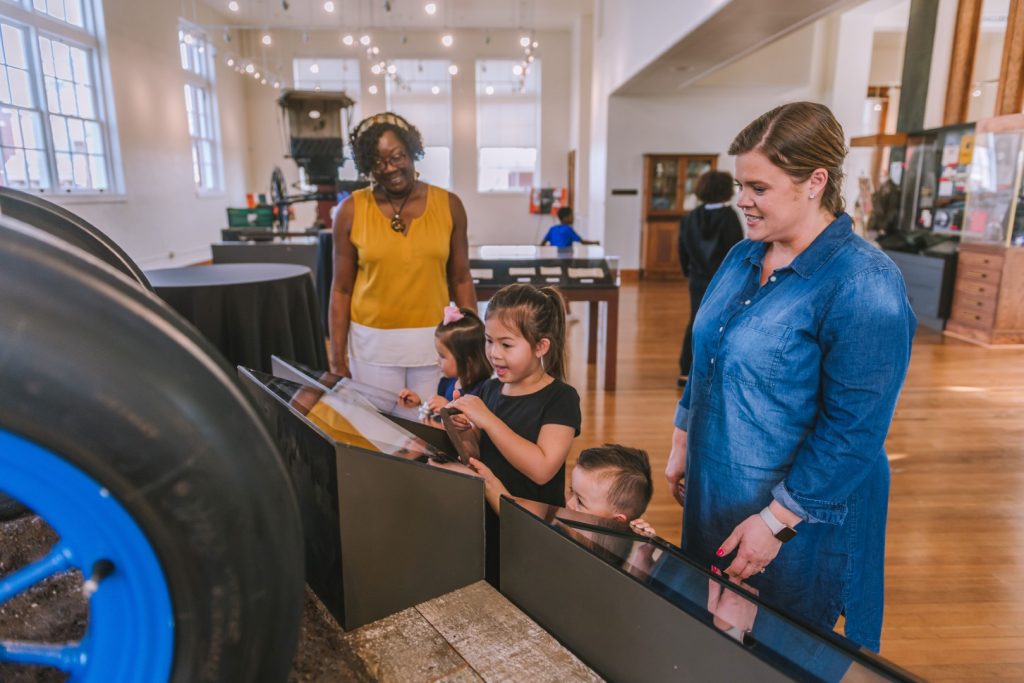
(402, 280)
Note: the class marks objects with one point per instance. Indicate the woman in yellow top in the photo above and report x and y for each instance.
(401, 254)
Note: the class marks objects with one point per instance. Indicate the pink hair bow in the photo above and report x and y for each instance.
(452, 314)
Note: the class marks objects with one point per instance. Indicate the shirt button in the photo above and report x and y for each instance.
(773, 278)
(747, 302)
(721, 329)
(712, 361)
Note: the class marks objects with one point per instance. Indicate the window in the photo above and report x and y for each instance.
(317, 73)
(421, 91)
(508, 125)
(201, 108)
(53, 134)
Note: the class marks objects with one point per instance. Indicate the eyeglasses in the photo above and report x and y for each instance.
(397, 159)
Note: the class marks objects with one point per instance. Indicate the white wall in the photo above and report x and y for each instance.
(160, 220)
(494, 218)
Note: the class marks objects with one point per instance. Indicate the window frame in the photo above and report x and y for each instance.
(36, 24)
(481, 97)
(206, 84)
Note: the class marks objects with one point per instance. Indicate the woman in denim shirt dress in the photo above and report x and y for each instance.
(801, 346)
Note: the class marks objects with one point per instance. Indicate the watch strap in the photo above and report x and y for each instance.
(779, 529)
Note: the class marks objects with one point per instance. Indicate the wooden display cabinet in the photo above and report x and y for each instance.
(669, 183)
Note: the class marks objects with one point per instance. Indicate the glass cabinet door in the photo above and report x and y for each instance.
(664, 184)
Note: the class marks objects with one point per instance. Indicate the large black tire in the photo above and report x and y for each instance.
(102, 373)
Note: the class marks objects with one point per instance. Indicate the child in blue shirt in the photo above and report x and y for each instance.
(563, 235)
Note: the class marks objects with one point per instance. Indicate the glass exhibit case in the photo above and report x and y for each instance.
(934, 190)
(579, 266)
(385, 527)
(995, 188)
(674, 620)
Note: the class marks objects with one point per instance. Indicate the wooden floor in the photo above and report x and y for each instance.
(955, 559)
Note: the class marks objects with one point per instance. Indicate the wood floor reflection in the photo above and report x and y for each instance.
(955, 559)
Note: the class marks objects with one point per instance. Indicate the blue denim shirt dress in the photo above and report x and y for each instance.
(790, 397)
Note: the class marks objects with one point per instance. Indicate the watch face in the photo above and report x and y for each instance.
(786, 534)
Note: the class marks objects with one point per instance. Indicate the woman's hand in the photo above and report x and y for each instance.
(757, 547)
(340, 368)
(436, 403)
(474, 410)
(675, 471)
(409, 398)
(729, 609)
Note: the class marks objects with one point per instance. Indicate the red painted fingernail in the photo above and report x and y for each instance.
(716, 570)
(720, 552)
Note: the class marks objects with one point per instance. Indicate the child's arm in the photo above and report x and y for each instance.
(436, 403)
(539, 461)
(409, 398)
(493, 488)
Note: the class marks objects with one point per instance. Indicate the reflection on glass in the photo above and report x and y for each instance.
(348, 418)
(382, 400)
(694, 170)
(664, 185)
(993, 186)
(733, 608)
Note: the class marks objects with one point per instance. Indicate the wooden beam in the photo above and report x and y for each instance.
(961, 64)
(880, 140)
(1010, 96)
(917, 64)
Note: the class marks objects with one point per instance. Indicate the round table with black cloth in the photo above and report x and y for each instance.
(249, 311)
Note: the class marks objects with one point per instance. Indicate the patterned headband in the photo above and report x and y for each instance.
(386, 117)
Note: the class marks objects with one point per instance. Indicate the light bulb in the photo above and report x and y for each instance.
(976, 93)
(328, 6)
(348, 40)
(249, 68)
(375, 50)
(525, 41)
(436, 90)
(314, 68)
(878, 107)
(447, 40)
(518, 69)
(263, 81)
(453, 69)
(256, 75)
(392, 69)
(489, 90)
(364, 40)
(266, 39)
(372, 90)
(535, 45)
(233, 6)
(231, 61)
(277, 85)
(375, 69)
(430, 8)
(529, 60)
(188, 39)
(314, 114)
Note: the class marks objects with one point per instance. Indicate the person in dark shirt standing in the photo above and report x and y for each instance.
(706, 235)
(563, 234)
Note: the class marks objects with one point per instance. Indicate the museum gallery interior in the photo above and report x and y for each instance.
(394, 340)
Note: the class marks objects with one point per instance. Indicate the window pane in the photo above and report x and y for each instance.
(65, 175)
(81, 167)
(5, 92)
(80, 64)
(61, 58)
(66, 94)
(436, 166)
(506, 169)
(37, 172)
(76, 134)
(21, 95)
(12, 135)
(195, 164)
(40, 5)
(98, 168)
(83, 94)
(52, 101)
(32, 130)
(59, 126)
(46, 55)
(75, 14)
(14, 167)
(14, 46)
(93, 138)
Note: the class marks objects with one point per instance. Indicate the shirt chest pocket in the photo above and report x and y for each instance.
(754, 352)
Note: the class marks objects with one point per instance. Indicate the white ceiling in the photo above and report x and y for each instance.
(738, 29)
(353, 14)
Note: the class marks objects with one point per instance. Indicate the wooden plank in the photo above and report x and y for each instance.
(405, 647)
(498, 640)
(1010, 95)
(961, 64)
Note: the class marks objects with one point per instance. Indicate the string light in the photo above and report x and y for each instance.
(453, 69)
(430, 8)
(249, 68)
(364, 40)
(447, 40)
(489, 90)
(436, 90)
(328, 6)
(525, 41)
(348, 39)
(266, 39)
(231, 61)
(372, 90)
(233, 6)
(314, 68)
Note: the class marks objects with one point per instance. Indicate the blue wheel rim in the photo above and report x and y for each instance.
(130, 632)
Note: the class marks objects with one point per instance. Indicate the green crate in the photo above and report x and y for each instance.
(260, 217)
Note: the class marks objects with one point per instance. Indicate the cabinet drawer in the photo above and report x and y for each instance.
(977, 304)
(965, 315)
(980, 274)
(981, 259)
(977, 288)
